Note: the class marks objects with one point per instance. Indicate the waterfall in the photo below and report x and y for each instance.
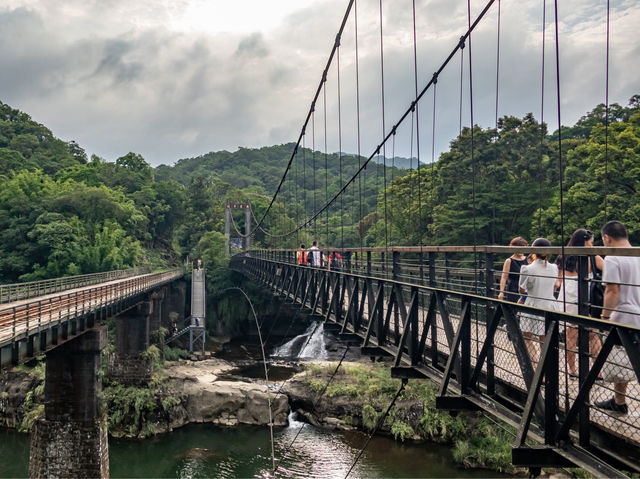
(308, 345)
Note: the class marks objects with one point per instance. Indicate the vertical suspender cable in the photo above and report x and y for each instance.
(340, 149)
(561, 173)
(313, 155)
(415, 77)
(495, 148)
(393, 175)
(355, 12)
(461, 80)
(326, 162)
(296, 204)
(542, 135)
(384, 146)
(473, 175)
(606, 125)
(304, 173)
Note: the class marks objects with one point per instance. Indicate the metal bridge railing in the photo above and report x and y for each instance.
(25, 319)
(435, 310)
(33, 289)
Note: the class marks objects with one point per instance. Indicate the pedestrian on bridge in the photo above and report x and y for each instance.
(314, 256)
(538, 280)
(511, 272)
(335, 261)
(568, 294)
(301, 256)
(621, 275)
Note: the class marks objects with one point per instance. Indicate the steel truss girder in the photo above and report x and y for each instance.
(371, 303)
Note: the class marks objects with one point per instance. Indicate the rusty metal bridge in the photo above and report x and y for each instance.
(38, 316)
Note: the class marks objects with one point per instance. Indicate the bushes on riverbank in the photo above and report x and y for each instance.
(361, 393)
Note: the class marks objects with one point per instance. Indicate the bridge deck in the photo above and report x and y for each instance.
(20, 319)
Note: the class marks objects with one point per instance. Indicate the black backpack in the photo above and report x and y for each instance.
(310, 258)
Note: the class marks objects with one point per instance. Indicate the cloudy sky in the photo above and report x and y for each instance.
(178, 78)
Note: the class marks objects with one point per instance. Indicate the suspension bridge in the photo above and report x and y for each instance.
(434, 309)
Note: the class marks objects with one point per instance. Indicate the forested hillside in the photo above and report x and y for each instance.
(516, 183)
(62, 213)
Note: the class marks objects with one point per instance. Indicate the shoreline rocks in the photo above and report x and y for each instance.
(208, 398)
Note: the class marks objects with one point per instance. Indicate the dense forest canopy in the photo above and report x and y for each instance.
(62, 213)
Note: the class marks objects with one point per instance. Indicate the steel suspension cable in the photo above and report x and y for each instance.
(433, 143)
(340, 150)
(495, 148)
(415, 104)
(311, 110)
(266, 373)
(561, 172)
(542, 135)
(384, 145)
(407, 112)
(461, 82)
(473, 176)
(326, 164)
(355, 15)
(313, 405)
(313, 152)
(378, 424)
(606, 125)
(304, 173)
(296, 205)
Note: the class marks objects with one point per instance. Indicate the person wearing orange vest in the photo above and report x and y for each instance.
(301, 256)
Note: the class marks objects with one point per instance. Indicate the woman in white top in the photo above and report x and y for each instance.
(538, 280)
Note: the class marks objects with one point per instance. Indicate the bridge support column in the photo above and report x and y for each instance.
(155, 318)
(173, 306)
(129, 365)
(71, 440)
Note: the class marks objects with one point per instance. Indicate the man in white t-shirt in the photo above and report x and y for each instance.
(621, 300)
(317, 259)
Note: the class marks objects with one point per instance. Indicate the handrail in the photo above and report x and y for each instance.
(506, 250)
(22, 319)
(32, 289)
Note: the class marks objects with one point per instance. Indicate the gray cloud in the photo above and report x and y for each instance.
(116, 86)
(252, 46)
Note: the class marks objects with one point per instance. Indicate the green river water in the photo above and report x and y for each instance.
(202, 450)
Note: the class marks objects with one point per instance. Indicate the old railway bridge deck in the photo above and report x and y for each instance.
(38, 316)
(434, 311)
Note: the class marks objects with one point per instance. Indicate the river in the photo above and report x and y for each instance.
(203, 450)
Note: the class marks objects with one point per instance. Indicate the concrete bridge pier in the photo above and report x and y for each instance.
(130, 366)
(71, 440)
(175, 301)
(155, 318)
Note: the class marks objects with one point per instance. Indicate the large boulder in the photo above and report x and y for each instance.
(210, 399)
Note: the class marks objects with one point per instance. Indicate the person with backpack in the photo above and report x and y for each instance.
(314, 256)
(335, 261)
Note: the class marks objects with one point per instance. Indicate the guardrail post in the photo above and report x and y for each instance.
(432, 268)
(396, 270)
(368, 263)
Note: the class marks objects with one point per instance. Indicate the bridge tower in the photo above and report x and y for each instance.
(247, 223)
(197, 328)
